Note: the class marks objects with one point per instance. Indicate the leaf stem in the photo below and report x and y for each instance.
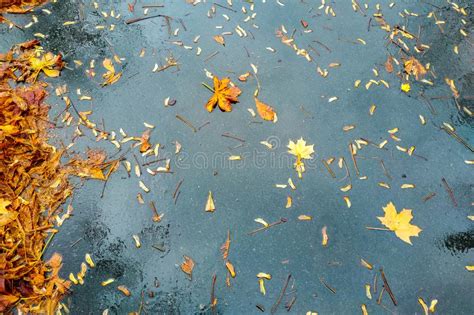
(377, 228)
(207, 86)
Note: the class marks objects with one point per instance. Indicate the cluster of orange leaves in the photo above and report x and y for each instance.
(34, 183)
(18, 7)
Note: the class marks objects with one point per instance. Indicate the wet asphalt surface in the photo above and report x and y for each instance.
(434, 267)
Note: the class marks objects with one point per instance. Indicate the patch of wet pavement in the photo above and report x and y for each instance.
(433, 267)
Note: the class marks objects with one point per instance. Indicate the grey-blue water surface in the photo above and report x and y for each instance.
(432, 268)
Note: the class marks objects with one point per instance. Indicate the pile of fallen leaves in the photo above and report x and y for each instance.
(18, 7)
(34, 182)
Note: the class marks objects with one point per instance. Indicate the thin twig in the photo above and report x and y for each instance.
(387, 287)
(282, 293)
(228, 135)
(327, 285)
(282, 220)
(450, 191)
(175, 194)
(213, 299)
(187, 122)
(139, 19)
(224, 7)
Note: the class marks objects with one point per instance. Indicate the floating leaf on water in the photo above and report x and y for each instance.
(399, 222)
(210, 207)
(187, 266)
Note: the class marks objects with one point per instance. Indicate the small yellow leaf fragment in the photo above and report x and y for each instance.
(432, 307)
(69, 23)
(367, 292)
(346, 188)
(372, 109)
(366, 264)
(107, 282)
(304, 217)
(357, 83)
(360, 40)
(261, 284)
(325, 239)
(405, 87)
(407, 186)
(292, 185)
(384, 185)
(363, 307)
(230, 268)
(136, 238)
(348, 201)
(469, 162)
(125, 291)
(143, 186)
(289, 202)
(470, 268)
(235, 158)
(423, 305)
(422, 120)
(264, 275)
(261, 221)
(210, 206)
(73, 278)
(267, 144)
(89, 260)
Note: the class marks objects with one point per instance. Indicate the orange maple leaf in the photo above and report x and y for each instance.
(224, 95)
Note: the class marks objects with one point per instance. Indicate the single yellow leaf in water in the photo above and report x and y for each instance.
(399, 222)
(210, 207)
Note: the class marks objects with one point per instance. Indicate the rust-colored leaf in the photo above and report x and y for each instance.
(265, 111)
(187, 266)
(224, 95)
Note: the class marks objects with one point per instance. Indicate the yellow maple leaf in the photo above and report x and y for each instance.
(399, 222)
(301, 149)
(405, 87)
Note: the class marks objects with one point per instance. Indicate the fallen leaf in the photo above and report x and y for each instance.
(223, 95)
(225, 247)
(210, 207)
(110, 76)
(219, 39)
(413, 67)
(265, 111)
(187, 266)
(399, 222)
(405, 87)
(230, 268)
(124, 290)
